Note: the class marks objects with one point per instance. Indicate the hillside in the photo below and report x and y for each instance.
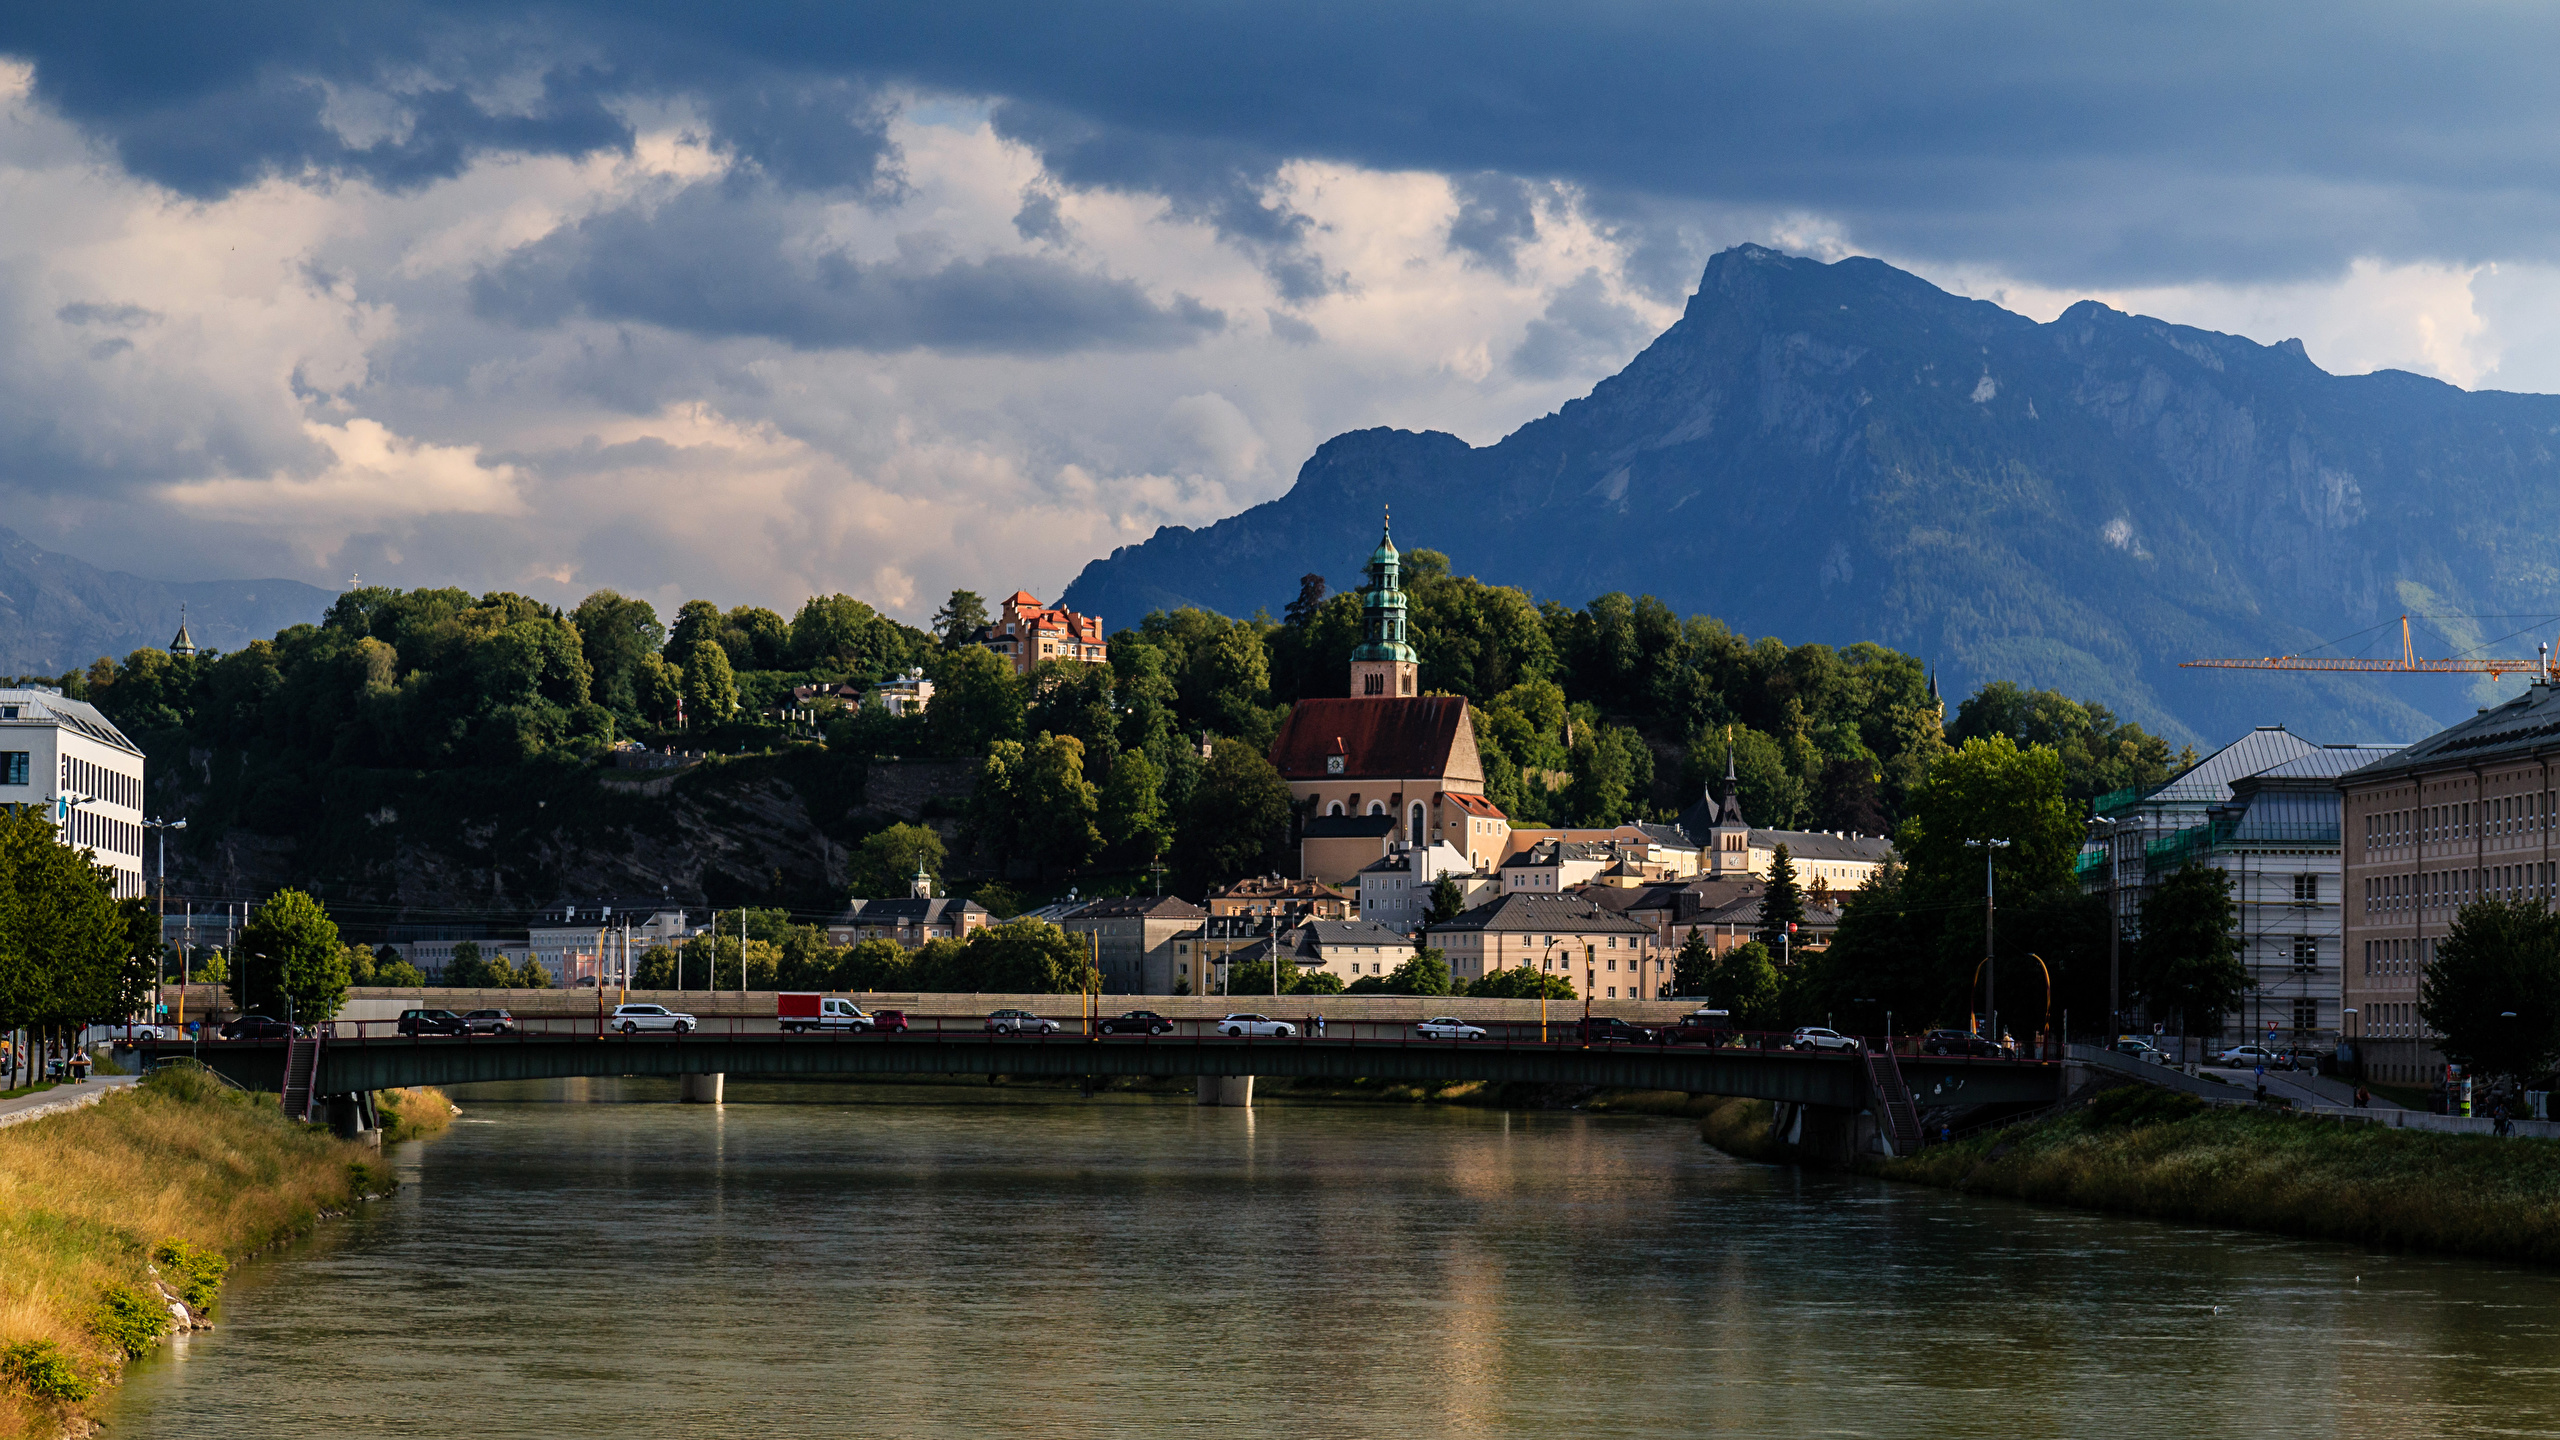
(1843, 452)
(57, 612)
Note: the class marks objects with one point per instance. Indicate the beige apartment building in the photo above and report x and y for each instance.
(1604, 955)
(2461, 815)
(1141, 943)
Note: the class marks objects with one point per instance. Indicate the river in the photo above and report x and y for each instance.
(581, 1258)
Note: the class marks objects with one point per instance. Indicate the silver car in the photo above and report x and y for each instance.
(632, 1019)
(1236, 1027)
(1448, 1027)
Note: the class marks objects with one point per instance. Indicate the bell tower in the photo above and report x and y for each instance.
(1385, 666)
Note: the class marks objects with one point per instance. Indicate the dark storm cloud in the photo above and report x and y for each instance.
(2086, 143)
(1497, 214)
(719, 260)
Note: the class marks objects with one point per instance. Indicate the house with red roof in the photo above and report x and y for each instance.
(1387, 766)
(1027, 632)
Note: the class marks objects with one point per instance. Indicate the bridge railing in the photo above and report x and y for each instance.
(1310, 1028)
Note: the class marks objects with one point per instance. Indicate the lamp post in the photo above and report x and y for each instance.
(1990, 970)
(2115, 928)
(164, 827)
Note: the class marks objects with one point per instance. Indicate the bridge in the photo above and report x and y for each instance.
(1831, 1086)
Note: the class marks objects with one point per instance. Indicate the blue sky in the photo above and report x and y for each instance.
(755, 301)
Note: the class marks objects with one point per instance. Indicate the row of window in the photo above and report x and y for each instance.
(81, 777)
(2394, 1021)
(2465, 820)
(2406, 955)
(98, 832)
(2433, 889)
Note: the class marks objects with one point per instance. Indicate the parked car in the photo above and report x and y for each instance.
(1816, 1037)
(488, 1022)
(1959, 1042)
(263, 1027)
(889, 1022)
(1019, 1022)
(2252, 1056)
(1136, 1022)
(800, 1010)
(1701, 1027)
(1237, 1027)
(1605, 1029)
(428, 1022)
(2134, 1048)
(1448, 1027)
(632, 1019)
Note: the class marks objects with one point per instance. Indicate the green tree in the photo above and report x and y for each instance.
(1781, 903)
(1448, 901)
(1612, 770)
(710, 685)
(1134, 821)
(1991, 789)
(2492, 992)
(1745, 985)
(1248, 978)
(1693, 971)
(961, 616)
(1058, 805)
(1237, 820)
(290, 950)
(884, 864)
(977, 700)
(618, 635)
(875, 965)
(657, 688)
(2188, 960)
(397, 973)
(1426, 972)
(1521, 982)
(2098, 752)
(464, 969)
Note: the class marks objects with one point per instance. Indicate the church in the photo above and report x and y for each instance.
(1389, 765)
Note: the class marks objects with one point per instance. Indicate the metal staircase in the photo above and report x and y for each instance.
(301, 1074)
(1893, 1102)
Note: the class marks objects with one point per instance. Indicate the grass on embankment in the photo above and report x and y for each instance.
(109, 1212)
(2146, 1152)
(414, 1113)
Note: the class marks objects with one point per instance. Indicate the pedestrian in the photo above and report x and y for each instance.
(2498, 1119)
(1319, 1027)
(2364, 1098)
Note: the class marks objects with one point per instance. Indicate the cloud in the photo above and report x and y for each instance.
(371, 473)
(1581, 323)
(723, 260)
(1497, 214)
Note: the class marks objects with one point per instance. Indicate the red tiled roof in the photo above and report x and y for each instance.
(1475, 805)
(1380, 739)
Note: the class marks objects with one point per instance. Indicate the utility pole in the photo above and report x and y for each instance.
(1990, 970)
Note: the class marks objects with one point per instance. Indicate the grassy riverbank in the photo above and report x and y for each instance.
(109, 1213)
(414, 1113)
(2145, 1152)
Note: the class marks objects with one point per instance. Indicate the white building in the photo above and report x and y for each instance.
(64, 755)
(908, 694)
(1395, 889)
(589, 943)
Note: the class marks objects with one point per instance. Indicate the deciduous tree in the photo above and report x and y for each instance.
(290, 950)
(2188, 960)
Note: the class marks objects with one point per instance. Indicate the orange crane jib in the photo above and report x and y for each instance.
(2408, 663)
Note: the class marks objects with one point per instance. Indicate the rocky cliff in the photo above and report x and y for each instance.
(1844, 451)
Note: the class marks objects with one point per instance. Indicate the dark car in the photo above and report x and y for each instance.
(1136, 1022)
(257, 1027)
(1604, 1029)
(488, 1022)
(889, 1022)
(1958, 1042)
(1701, 1027)
(433, 1022)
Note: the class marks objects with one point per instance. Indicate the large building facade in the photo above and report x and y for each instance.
(66, 757)
(1027, 632)
(2462, 815)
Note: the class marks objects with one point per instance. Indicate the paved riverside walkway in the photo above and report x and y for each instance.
(2304, 1089)
(63, 1098)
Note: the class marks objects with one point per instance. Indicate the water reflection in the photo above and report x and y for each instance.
(848, 1260)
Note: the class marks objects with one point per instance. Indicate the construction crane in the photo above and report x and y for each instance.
(2407, 664)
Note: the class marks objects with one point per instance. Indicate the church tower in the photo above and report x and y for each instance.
(1729, 842)
(184, 646)
(1384, 666)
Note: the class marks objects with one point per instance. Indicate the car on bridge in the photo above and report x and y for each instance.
(1817, 1037)
(1607, 1029)
(1701, 1027)
(1019, 1022)
(1136, 1022)
(632, 1019)
(1959, 1042)
(800, 1010)
(889, 1022)
(1239, 1027)
(1448, 1027)
(430, 1022)
(488, 1022)
(260, 1027)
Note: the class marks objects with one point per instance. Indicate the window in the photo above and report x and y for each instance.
(13, 767)
(2306, 952)
(2306, 889)
(1373, 684)
(2306, 1013)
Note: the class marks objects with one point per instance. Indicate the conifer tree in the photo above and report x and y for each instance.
(1781, 904)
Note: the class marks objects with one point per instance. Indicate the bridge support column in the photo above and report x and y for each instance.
(351, 1117)
(1233, 1091)
(703, 1089)
(1823, 1135)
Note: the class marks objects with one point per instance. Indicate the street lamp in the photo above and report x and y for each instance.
(2115, 928)
(1990, 971)
(164, 827)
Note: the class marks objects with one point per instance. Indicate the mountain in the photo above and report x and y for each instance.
(57, 613)
(1845, 452)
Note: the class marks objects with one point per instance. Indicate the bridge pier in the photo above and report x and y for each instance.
(703, 1089)
(352, 1117)
(1830, 1136)
(1233, 1091)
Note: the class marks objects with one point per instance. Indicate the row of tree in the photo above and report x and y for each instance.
(70, 952)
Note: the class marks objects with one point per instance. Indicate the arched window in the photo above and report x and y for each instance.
(1413, 823)
(1377, 807)
(1336, 810)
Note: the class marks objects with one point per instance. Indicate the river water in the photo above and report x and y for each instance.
(581, 1258)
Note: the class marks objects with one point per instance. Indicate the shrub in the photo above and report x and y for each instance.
(130, 1320)
(2127, 1107)
(195, 1273)
(41, 1369)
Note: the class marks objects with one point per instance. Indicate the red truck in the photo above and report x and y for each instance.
(800, 1010)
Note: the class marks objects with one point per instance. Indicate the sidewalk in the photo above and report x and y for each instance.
(63, 1098)
(2303, 1088)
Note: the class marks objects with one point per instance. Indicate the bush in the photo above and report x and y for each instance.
(196, 1274)
(41, 1369)
(130, 1320)
(2128, 1107)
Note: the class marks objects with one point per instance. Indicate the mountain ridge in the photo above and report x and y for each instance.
(1843, 451)
(58, 613)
